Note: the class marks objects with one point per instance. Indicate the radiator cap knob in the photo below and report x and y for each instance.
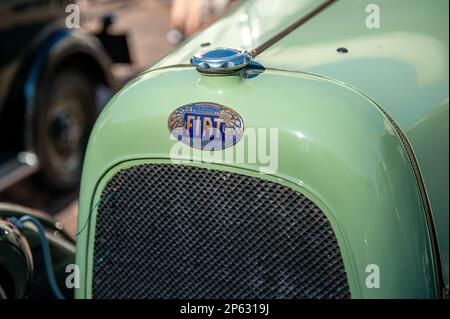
(221, 60)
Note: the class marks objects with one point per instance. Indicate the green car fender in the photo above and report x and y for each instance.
(403, 66)
(335, 146)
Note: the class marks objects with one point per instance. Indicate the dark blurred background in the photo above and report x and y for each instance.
(36, 149)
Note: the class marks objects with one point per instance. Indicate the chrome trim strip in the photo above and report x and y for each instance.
(277, 37)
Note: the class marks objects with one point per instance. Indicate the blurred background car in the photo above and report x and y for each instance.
(53, 82)
(55, 79)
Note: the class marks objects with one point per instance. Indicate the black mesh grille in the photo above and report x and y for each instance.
(175, 231)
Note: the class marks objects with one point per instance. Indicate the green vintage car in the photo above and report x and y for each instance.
(310, 163)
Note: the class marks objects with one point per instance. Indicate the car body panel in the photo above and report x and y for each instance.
(335, 146)
(403, 66)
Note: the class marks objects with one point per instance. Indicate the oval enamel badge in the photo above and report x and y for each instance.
(206, 126)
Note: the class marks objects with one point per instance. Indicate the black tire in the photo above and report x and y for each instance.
(65, 114)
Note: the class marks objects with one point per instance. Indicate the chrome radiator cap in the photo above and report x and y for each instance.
(221, 60)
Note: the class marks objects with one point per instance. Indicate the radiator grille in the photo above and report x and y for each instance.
(176, 231)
